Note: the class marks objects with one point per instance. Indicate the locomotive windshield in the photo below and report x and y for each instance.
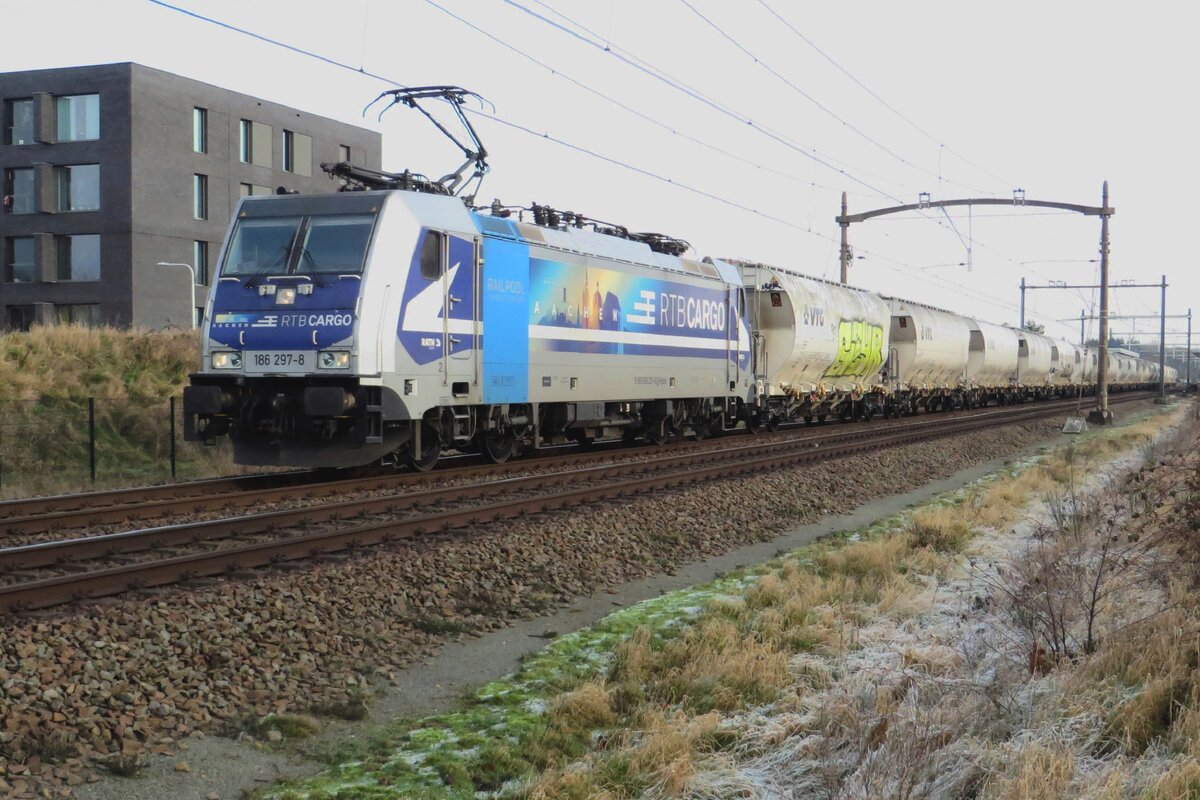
(311, 245)
(261, 246)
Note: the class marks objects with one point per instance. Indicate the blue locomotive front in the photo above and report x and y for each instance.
(280, 359)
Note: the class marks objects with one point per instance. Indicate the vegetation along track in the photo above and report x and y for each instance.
(51, 573)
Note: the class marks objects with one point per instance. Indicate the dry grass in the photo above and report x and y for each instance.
(1039, 772)
(653, 726)
(946, 530)
(1180, 782)
(46, 378)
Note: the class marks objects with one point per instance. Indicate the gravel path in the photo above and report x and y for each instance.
(136, 676)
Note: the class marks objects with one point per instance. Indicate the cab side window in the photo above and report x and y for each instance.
(431, 255)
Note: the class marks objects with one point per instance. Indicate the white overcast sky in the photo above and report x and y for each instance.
(1051, 97)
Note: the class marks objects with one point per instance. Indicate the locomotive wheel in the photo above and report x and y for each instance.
(753, 420)
(497, 447)
(656, 432)
(431, 450)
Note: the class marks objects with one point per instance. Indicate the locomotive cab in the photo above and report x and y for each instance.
(281, 361)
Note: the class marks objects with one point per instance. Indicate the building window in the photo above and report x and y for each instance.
(21, 318)
(200, 130)
(18, 191)
(18, 121)
(251, 189)
(254, 143)
(246, 141)
(289, 151)
(78, 314)
(79, 257)
(78, 187)
(297, 153)
(200, 261)
(18, 259)
(78, 117)
(200, 196)
(344, 153)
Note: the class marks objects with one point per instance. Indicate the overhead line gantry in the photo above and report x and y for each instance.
(1104, 211)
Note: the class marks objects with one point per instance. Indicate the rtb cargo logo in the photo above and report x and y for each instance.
(320, 320)
(678, 311)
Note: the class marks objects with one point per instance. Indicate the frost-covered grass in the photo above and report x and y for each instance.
(655, 699)
(543, 713)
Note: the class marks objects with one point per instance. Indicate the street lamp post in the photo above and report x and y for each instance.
(191, 282)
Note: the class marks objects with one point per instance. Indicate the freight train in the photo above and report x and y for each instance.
(394, 324)
(356, 327)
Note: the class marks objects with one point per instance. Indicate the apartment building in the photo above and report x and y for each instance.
(118, 182)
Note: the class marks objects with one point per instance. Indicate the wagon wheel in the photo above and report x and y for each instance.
(431, 450)
(772, 423)
(752, 419)
(497, 446)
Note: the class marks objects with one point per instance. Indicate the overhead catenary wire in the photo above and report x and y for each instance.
(641, 115)
(642, 171)
(887, 261)
(630, 59)
(659, 75)
(830, 112)
(885, 103)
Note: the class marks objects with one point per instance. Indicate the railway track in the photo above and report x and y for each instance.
(76, 512)
(52, 573)
(91, 510)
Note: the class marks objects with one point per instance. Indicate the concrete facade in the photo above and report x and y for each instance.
(148, 168)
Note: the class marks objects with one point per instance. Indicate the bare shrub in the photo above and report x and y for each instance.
(1089, 560)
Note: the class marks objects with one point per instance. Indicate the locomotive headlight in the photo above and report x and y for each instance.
(227, 359)
(333, 359)
(285, 296)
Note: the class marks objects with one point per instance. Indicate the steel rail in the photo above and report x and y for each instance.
(44, 554)
(233, 493)
(39, 552)
(114, 580)
(27, 507)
